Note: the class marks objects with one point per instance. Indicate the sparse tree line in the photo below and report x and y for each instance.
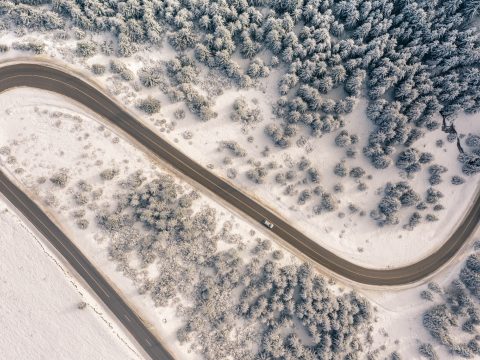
(225, 288)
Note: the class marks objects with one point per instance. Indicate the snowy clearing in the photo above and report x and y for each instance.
(40, 311)
(400, 311)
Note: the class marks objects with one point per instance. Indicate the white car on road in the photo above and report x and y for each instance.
(267, 223)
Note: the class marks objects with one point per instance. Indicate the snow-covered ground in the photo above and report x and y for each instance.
(355, 237)
(39, 309)
(400, 311)
(46, 132)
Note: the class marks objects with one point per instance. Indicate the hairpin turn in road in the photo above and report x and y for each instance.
(51, 78)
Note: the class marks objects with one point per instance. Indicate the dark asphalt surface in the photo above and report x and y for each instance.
(52, 79)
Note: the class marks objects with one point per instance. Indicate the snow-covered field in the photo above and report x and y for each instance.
(46, 132)
(39, 309)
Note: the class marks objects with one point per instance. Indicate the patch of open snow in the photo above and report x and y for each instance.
(400, 311)
(40, 317)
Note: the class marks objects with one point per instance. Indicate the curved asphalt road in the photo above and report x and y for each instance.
(52, 79)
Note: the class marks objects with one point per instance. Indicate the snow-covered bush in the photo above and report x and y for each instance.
(98, 69)
(304, 164)
(414, 220)
(328, 203)
(357, 172)
(305, 195)
(427, 350)
(149, 104)
(278, 135)
(426, 295)
(197, 103)
(234, 147)
(109, 174)
(314, 175)
(395, 197)
(118, 67)
(280, 178)
(35, 46)
(86, 48)
(409, 161)
(457, 180)
(433, 196)
(435, 174)
(425, 157)
(150, 76)
(82, 223)
(258, 69)
(60, 178)
(182, 70)
(257, 174)
(340, 169)
(245, 114)
(343, 139)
